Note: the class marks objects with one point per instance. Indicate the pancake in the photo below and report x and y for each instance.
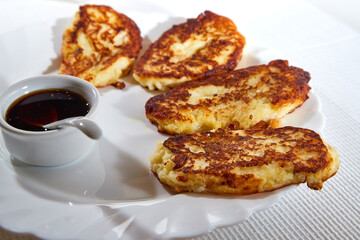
(100, 46)
(244, 161)
(198, 48)
(238, 99)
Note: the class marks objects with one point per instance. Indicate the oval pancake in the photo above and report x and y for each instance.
(238, 99)
(244, 161)
(193, 50)
(100, 46)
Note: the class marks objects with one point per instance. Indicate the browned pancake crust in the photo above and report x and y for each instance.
(286, 85)
(299, 149)
(227, 151)
(201, 58)
(74, 63)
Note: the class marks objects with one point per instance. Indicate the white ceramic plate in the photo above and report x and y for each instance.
(111, 193)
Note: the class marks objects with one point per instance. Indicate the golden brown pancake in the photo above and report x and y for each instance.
(244, 161)
(100, 46)
(238, 99)
(198, 48)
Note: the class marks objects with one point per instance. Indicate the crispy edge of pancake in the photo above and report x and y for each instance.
(115, 65)
(226, 182)
(179, 74)
(165, 112)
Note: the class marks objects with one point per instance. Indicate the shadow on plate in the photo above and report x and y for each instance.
(57, 35)
(105, 174)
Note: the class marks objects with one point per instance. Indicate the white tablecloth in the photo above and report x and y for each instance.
(330, 51)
